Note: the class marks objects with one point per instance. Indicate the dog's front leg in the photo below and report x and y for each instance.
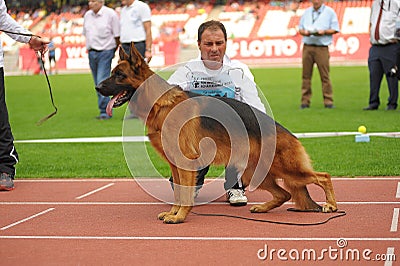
(177, 190)
(175, 208)
(184, 198)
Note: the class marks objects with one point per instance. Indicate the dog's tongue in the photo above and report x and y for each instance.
(111, 103)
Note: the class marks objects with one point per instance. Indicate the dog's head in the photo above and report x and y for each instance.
(125, 79)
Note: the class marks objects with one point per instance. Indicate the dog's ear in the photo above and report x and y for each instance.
(122, 54)
(135, 57)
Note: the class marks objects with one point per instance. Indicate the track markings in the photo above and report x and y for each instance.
(169, 203)
(395, 220)
(95, 191)
(27, 219)
(389, 256)
(200, 238)
(396, 212)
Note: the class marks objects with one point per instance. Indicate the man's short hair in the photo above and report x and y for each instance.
(213, 25)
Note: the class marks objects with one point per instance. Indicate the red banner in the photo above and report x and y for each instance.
(74, 56)
(345, 48)
(350, 47)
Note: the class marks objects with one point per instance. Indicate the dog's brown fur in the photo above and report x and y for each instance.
(155, 99)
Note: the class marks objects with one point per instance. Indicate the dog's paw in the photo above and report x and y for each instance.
(162, 215)
(173, 219)
(259, 208)
(329, 208)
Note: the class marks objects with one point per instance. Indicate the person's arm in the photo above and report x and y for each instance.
(7, 23)
(117, 41)
(149, 40)
(180, 78)
(318, 32)
(304, 32)
(245, 80)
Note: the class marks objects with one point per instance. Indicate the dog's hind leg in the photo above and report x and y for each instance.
(325, 182)
(280, 196)
(302, 198)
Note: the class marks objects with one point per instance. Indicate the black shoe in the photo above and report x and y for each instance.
(329, 106)
(304, 106)
(370, 108)
(390, 108)
(6, 182)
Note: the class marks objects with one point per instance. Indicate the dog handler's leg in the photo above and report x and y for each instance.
(185, 197)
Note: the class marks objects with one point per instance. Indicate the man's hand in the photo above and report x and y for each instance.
(38, 44)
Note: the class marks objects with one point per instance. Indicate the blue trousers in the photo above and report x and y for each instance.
(100, 65)
(140, 46)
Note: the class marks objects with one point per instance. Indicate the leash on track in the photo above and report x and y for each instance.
(339, 214)
(41, 55)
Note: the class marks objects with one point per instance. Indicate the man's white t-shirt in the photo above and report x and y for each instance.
(232, 80)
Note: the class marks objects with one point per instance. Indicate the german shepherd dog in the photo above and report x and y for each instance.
(182, 130)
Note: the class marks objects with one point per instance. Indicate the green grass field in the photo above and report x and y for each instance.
(28, 101)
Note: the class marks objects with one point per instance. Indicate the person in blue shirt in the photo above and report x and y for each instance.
(52, 57)
(317, 26)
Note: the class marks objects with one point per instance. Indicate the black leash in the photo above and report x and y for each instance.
(20, 33)
(339, 214)
(50, 90)
(45, 73)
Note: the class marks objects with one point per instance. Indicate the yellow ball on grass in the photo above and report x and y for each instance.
(362, 129)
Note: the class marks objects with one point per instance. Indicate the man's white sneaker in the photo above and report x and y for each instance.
(236, 197)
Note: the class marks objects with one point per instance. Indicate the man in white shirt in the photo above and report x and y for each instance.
(384, 52)
(135, 25)
(8, 154)
(101, 29)
(135, 22)
(214, 73)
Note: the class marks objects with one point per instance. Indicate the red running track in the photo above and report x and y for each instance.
(114, 222)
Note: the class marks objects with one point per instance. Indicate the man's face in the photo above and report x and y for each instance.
(94, 5)
(126, 2)
(317, 4)
(212, 47)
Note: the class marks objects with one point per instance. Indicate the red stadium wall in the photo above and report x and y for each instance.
(351, 47)
(74, 56)
(345, 48)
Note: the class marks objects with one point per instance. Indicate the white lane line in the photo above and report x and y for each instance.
(88, 140)
(159, 179)
(94, 191)
(395, 220)
(167, 203)
(146, 139)
(27, 219)
(390, 257)
(197, 238)
(398, 191)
